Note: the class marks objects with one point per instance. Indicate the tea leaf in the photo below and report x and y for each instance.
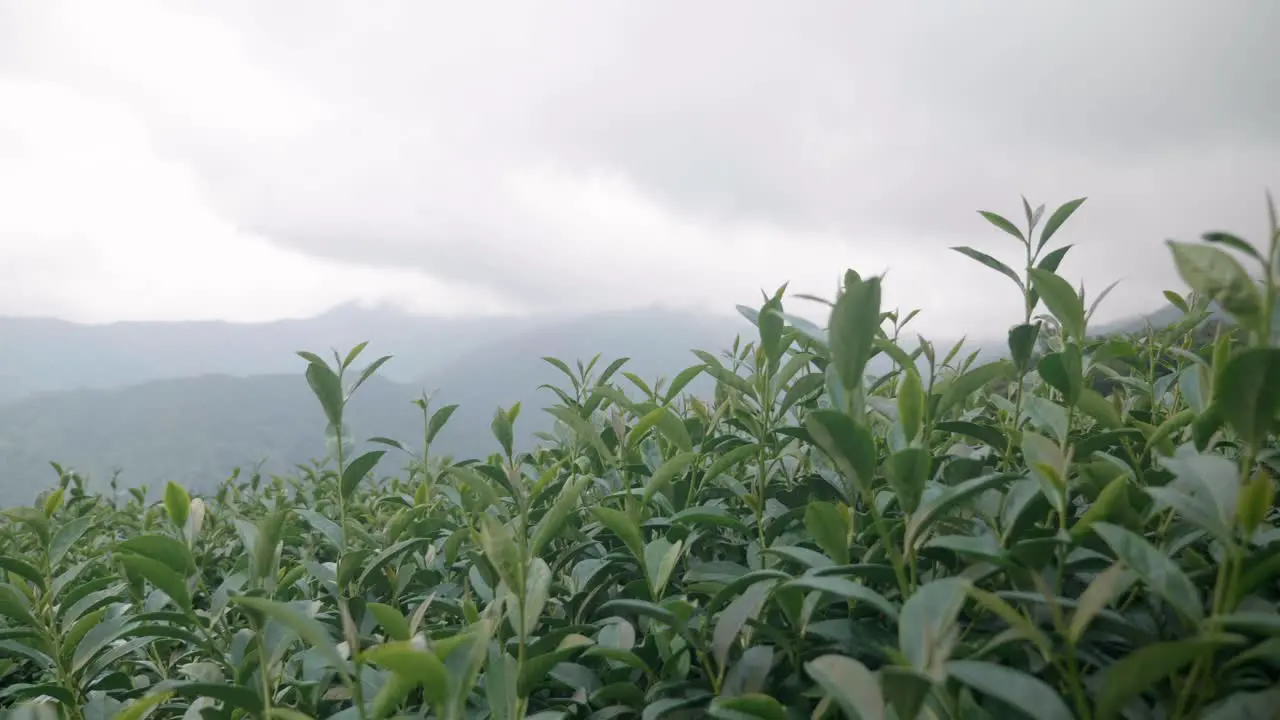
(1155, 568)
(1020, 690)
(851, 685)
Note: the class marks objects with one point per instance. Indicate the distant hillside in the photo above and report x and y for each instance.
(196, 429)
(191, 401)
(44, 355)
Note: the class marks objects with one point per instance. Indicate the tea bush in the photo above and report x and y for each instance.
(1084, 529)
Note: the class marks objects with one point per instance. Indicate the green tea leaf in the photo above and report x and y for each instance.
(420, 666)
(850, 684)
(742, 707)
(621, 525)
(503, 553)
(830, 529)
(308, 628)
(391, 620)
(926, 627)
(990, 262)
(908, 471)
(1056, 220)
(1003, 224)
(1249, 394)
(161, 548)
(438, 420)
(911, 404)
(327, 388)
(1138, 671)
(1155, 568)
(850, 446)
(1020, 690)
(665, 473)
(970, 382)
(1104, 588)
(1022, 342)
(731, 620)
(855, 318)
(1216, 275)
(555, 518)
(160, 575)
(357, 469)
(177, 504)
(1061, 300)
(583, 429)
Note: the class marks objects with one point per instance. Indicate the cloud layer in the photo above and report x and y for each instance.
(252, 160)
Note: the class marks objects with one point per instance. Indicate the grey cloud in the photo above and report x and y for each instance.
(885, 123)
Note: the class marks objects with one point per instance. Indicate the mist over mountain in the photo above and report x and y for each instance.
(191, 401)
(50, 355)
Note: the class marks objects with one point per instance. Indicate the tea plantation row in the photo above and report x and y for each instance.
(1086, 529)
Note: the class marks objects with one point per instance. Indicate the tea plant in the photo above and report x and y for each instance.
(1086, 529)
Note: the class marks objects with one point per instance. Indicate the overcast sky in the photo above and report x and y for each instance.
(248, 160)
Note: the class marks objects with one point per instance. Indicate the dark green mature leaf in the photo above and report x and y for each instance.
(233, 695)
(583, 429)
(911, 404)
(621, 525)
(990, 262)
(327, 388)
(1064, 371)
(67, 536)
(1231, 241)
(391, 620)
(844, 588)
(850, 446)
(177, 504)
(1020, 690)
(1138, 671)
(438, 420)
(22, 569)
(1003, 224)
(416, 665)
(734, 617)
(1056, 220)
(970, 382)
(1061, 300)
(141, 707)
(1022, 341)
(665, 473)
(500, 547)
(357, 469)
(1249, 393)
(502, 429)
(1212, 272)
(855, 318)
(992, 436)
(907, 471)
(161, 548)
(829, 528)
(160, 575)
(1155, 568)
(850, 684)
(323, 525)
(14, 605)
(554, 521)
(953, 496)
(927, 622)
(745, 707)
(308, 628)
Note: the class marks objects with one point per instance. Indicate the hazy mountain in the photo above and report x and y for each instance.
(191, 401)
(43, 354)
(153, 425)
